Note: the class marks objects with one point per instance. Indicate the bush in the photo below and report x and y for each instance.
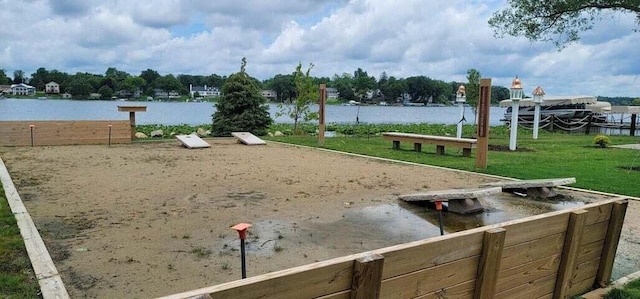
(601, 140)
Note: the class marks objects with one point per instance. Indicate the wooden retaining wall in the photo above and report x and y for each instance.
(554, 255)
(19, 133)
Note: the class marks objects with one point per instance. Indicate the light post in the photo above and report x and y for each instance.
(516, 96)
(538, 95)
(461, 98)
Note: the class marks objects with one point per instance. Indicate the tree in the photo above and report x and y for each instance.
(306, 94)
(4, 79)
(344, 85)
(362, 84)
(168, 83)
(559, 21)
(40, 78)
(473, 88)
(149, 77)
(105, 92)
(241, 108)
(80, 88)
(284, 86)
(18, 77)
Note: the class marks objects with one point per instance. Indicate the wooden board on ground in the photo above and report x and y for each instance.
(192, 141)
(248, 138)
(533, 188)
(451, 194)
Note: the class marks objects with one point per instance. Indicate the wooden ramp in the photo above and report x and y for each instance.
(533, 188)
(192, 141)
(461, 201)
(248, 138)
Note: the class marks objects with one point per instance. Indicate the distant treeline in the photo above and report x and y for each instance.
(620, 101)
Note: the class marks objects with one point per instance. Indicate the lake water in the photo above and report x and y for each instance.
(173, 113)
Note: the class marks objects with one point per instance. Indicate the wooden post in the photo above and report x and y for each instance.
(367, 277)
(632, 129)
(484, 103)
(321, 125)
(132, 116)
(570, 252)
(603, 276)
(489, 265)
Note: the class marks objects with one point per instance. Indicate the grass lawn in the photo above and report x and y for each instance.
(630, 291)
(16, 275)
(552, 155)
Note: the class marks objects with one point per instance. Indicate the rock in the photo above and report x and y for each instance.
(270, 134)
(201, 132)
(156, 133)
(141, 135)
(278, 134)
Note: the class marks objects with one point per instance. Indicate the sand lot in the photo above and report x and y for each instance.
(153, 219)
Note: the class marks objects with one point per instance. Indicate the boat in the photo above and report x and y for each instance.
(567, 108)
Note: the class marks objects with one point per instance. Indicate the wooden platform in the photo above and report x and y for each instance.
(461, 201)
(192, 141)
(248, 138)
(533, 188)
(440, 141)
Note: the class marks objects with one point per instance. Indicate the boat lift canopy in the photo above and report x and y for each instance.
(555, 101)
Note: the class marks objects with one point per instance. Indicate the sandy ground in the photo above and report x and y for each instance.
(152, 219)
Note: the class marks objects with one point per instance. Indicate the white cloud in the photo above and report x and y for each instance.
(437, 39)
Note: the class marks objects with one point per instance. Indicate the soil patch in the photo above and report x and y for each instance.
(152, 219)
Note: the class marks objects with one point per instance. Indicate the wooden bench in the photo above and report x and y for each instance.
(461, 201)
(440, 141)
(532, 188)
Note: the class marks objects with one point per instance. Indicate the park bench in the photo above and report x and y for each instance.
(440, 141)
(532, 188)
(461, 201)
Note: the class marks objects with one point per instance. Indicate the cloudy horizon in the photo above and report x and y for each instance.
(437, 39)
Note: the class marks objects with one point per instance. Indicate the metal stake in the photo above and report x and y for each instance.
(241, 228)
(439, 209)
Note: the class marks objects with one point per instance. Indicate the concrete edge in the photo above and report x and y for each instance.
(452, 169)
(49, 279)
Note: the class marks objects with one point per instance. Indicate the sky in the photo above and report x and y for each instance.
(437, 39)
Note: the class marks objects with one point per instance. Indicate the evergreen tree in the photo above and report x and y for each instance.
(241, 108)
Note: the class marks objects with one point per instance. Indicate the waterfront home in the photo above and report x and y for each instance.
(332, 93)
(204, 91)
(22, 89)
(5, 89)
(269, 94)
(52, 87)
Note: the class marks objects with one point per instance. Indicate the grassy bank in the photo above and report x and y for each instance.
(16, 275)
(552, 155)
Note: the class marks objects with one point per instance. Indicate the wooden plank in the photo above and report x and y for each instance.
(459, 291)
(367, 277)
(586, 270)
(570, 252)
(527, 272)
(533, 289)
(248, 138)
(521, 232)
(18, 133)
(339, 295)
(515, 255)
(594, 233)
(450, 194)
(132, 108)
(603, 277)
(411, 136)
(591, 251)
(430, 280)
(44, 269)
(523, 184)
(600, 213)
(581, 287)
(489, 265)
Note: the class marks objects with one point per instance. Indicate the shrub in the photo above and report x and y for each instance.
(601, 140)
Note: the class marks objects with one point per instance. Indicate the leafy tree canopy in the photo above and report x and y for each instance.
(559, 21)
(242, 108)
(306, 94)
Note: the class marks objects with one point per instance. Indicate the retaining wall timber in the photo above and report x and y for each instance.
(554, 255)
(20, 133)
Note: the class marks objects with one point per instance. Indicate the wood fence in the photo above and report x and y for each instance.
(36, 133)
(553, 255)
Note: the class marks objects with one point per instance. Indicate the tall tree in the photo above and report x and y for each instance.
(39, 78)
(149, 77)
(284, 86)
(559, 21)
(241, 108)
(18, 77)
(344, 85)
(362, 84)
(473, 89)
(306, 94)
(4, 79)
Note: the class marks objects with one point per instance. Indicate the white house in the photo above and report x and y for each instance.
(52, 87)
(204, 91)
(332, 93)
(23, 89)
(269, 94)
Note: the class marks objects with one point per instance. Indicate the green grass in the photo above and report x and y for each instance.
(552, 155)
(16, 276)
(630, 291)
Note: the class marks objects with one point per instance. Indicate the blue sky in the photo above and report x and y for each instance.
(438, 39)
